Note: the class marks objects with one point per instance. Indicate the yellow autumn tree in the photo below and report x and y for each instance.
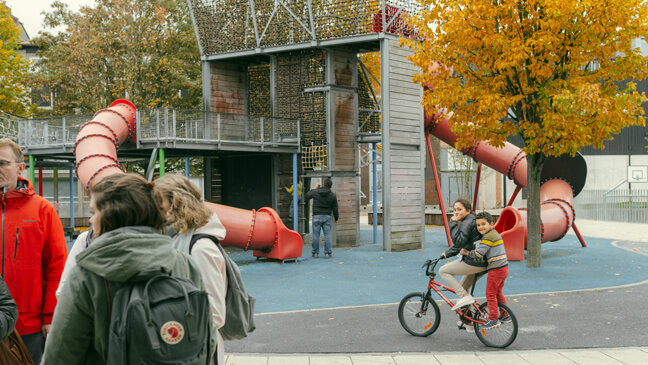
(546, 70)
(14, 95)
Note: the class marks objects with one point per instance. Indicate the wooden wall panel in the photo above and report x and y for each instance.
(405, 175)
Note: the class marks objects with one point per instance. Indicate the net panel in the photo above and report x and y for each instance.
(234, 25)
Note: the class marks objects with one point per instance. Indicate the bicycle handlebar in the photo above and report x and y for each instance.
(429, 271)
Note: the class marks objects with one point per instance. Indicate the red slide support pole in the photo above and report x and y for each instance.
(580, 238)
(479, 167)
(515, 193)
(437, 184)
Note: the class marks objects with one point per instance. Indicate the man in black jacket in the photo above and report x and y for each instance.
(324, 203)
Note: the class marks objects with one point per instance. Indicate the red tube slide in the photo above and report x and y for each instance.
(562, 180)
(96, 154)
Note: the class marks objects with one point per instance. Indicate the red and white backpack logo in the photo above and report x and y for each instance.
(172, 332)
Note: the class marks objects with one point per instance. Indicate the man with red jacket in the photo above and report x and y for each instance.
(34, 250)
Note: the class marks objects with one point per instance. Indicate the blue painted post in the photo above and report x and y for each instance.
(375, 195)
(295, 195)
(72, 198)
(187, 167)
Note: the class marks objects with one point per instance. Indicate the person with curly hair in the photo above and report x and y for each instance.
(186, 217)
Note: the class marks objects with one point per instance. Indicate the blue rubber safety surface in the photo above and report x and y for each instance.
(368, 275)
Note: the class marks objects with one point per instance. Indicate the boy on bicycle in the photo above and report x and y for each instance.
(491, 247)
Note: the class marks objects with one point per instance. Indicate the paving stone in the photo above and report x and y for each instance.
(372, 360)
(628, 356)
(590, 357)
(506, 358)
(544, 357)
(246, 360)
(463, 359)
(416, 360)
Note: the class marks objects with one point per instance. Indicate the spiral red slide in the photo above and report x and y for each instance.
(562, 179)
(96, 157)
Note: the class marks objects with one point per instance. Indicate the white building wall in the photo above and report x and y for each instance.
(606, 172)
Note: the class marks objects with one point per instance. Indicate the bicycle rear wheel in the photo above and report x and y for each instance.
(501, 336)
(419, 315)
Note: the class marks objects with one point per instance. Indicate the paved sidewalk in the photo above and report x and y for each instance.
(629, 356)
(620, 231)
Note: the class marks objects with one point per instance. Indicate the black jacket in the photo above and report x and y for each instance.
(8, 311)
(464, 236)
(324, 201)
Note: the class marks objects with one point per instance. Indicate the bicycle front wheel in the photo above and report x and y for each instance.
(419, 315)
(501, 336)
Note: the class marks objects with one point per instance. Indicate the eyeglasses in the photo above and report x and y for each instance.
(4, 164)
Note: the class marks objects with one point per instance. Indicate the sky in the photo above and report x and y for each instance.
(29, 12)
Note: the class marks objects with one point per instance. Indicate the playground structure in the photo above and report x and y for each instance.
(96, 157)
(266, 61)
(562, 178)
(300, 60)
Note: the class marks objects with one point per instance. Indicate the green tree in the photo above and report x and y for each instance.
(142, 50)
(14, 94)
(546, 70)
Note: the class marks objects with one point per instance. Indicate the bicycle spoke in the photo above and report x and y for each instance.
(501, 336)
(418, 315)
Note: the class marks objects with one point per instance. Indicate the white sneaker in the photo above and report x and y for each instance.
(463, 301)
(470, 328)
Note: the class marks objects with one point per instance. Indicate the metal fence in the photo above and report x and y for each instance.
(9, 125)
(177, 125)
(168, 126)
(51, 131)
(618, 205)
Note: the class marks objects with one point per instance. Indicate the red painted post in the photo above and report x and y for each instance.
(437, 184)
(515, 193)
(580, 238)
(479, 167)
(40, 180)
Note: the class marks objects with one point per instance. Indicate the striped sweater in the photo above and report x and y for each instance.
(491, 246)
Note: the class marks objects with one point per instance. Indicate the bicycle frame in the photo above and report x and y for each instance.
(437, 287)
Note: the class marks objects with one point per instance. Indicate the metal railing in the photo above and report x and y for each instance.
(167, 126)
(9, 125)
(51, 131)
(191, 126)
(616, 205)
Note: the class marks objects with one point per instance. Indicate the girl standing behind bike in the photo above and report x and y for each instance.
(464, 234)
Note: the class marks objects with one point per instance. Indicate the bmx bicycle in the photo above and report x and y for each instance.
(420, 316)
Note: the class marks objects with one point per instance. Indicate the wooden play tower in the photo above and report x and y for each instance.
(299, 59)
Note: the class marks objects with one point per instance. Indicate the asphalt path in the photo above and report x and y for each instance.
(348, 304)
(598, 318)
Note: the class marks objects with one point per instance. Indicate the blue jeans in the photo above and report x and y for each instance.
(322, 222)
(290, 207)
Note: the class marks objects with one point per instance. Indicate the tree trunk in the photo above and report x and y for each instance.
(535, 163)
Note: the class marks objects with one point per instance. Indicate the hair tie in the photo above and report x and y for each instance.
(151, 185)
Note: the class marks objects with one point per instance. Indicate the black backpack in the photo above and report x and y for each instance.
(239, 312)
(164, 320)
